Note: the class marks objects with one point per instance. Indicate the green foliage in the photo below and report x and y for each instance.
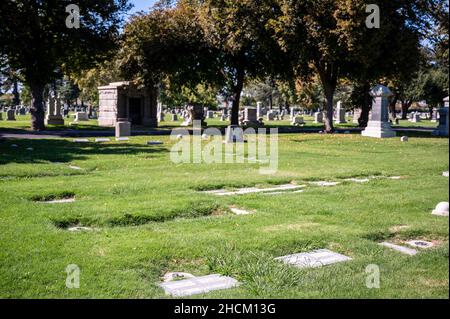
(36, 41)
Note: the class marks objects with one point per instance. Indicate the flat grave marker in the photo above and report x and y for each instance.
(313, 259)
(154, 143)
(81, 140)
(402, 249)
(198, 285)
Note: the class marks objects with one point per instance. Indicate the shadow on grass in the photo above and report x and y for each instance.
(63, 151)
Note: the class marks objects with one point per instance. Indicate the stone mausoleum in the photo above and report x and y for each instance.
(123, 101)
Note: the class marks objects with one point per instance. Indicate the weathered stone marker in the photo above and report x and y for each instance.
(198, 285)
(123, 128)
(313, 259)
(318, 117)
(442, 129)
(340, 113)
(10, 115)
(54, 116)
(379, 126)
(81, 116)
(234, 134)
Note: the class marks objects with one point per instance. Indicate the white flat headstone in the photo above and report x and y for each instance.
(74, 167)
(445, 174)
(238, 211)
(250, 190)
(313, 259)
(358, 180)
(402, 249)
(198, 285)
(81, 140)
(79, 228)
(60, 201)
(122, 139)
(102, 139)
(324, 183)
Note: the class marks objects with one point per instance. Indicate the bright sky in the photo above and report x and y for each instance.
(141, 5)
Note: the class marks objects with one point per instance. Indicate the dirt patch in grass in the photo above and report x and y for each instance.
(53, 197)
(141, 219)
(231, 185)
(401, 234)
(138, 219)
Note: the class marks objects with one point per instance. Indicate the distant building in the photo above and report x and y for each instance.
(124, 101)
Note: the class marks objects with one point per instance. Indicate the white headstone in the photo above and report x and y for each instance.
(441, 209)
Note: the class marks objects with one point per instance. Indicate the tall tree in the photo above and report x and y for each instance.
(331, 38)
(167, 47)
(240, 31)
(36, 39)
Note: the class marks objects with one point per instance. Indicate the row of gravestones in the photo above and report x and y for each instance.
(11, 113)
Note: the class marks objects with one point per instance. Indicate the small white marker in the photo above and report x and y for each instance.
(404, 250)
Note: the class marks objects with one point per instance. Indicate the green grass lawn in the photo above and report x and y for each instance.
(149, 217)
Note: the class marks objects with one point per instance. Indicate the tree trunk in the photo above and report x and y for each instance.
(365, 109)
(405, 107)
(328, 77)
(329, 128)
(37, 106)
(237, 90)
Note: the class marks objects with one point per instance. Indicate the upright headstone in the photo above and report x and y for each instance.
(234, 134)
(434, 116)
(318, 117)
(81, 116)
(250, 117)
(10, 115)
(442, 129)
(259, 111)
(379, 125)
(415, 117)
(54, 116)
(297, 120)
(160, 113)
(174, 117)
(340, 113)
(209, 114)
(123, 128)
(94, 115)
(270, 116)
